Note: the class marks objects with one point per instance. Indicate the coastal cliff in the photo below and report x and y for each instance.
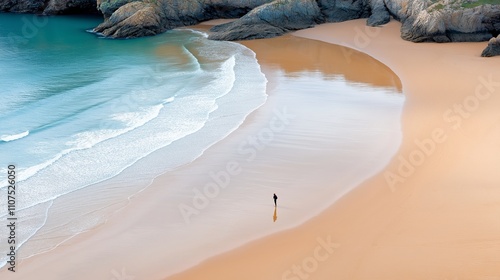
(128, 18)
(422, 21)
(49, 7)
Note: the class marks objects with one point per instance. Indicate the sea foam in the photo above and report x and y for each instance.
(137, 113)
(7, 138)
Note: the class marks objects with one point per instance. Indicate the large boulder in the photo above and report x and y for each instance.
(445, 21)
(493, 48)
(270, 20)
(135, 19)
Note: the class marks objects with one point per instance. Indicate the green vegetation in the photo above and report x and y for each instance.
(437, 7)
(470, 4)
(280, 3)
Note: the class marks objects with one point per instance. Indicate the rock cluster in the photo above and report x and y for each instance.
(270, 20)
(129, 18)
(493, 47)
(422, 21)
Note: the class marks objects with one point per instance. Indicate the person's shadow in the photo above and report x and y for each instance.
(275, 216)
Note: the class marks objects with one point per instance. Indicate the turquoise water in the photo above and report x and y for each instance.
(77, 109)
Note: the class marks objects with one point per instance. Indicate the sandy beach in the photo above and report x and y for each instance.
(404, 187)
(223, 199)
(432, 213)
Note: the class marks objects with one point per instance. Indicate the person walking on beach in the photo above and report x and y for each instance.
(275, 197)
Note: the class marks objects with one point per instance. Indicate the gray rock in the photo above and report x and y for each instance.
(49, 7)
(379, 13)
(22, 6)
(55, 7)
(413, 30)
(403, 9)
(480, 36)
(135, 19)
(270, 20)
(426, 22)
(280, 15)
(493, 48)
(247, 32)
(422, 21)
(107, 8)
(342, 10)
(284, 15)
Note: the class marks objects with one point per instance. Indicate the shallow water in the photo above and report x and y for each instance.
(77, 109)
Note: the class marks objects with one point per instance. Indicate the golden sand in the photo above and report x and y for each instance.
(433, 212)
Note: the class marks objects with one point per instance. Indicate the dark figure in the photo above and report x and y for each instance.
(275, 197)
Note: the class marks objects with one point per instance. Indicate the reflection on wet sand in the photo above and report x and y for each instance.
(275, 216)
(332, 61)
(295, 55)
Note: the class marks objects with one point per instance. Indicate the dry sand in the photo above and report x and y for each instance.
(437, 217)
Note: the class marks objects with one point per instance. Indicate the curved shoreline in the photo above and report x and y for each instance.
(197, 271)
(58, 227)
(383, 230)
(120, 240)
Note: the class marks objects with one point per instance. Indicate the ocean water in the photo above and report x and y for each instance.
(88, 121)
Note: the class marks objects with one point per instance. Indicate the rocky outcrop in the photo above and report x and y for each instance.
(270, 20)
(434, 23)
(281, 16)
(49, 7)
(493, 48)
(257, 18)
(135, 19)
(130, 19)
(20, 6)
(422, 21)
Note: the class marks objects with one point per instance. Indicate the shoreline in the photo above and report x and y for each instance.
(146, 213)
(418, 224)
